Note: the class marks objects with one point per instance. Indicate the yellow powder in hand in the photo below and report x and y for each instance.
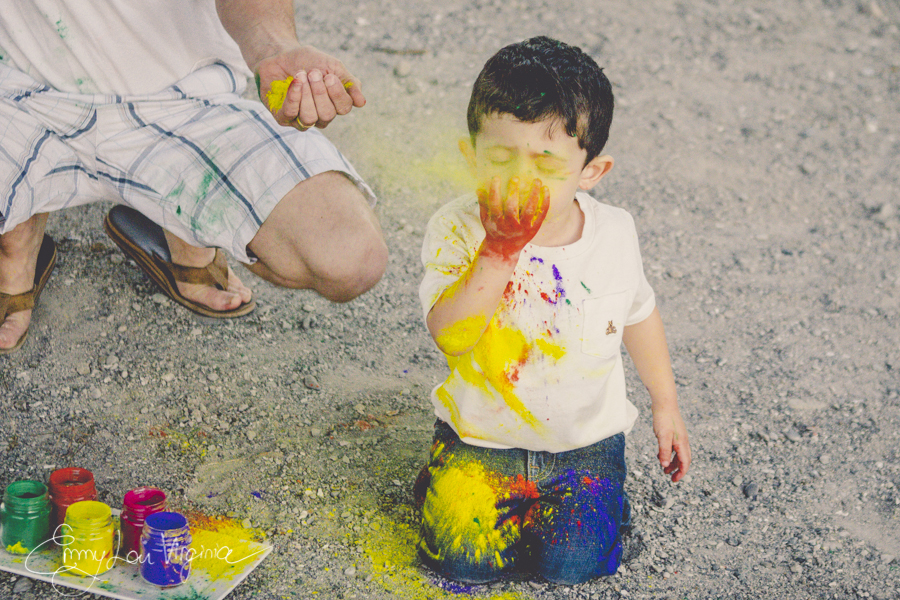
(277, 93)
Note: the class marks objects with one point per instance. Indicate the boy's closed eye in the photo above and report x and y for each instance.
(549, 165)
(500, 156)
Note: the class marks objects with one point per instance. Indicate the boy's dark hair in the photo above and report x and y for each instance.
(542, 78)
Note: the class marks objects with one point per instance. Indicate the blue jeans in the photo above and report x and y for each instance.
(489, 512)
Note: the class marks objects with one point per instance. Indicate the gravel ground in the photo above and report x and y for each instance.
(756, 146)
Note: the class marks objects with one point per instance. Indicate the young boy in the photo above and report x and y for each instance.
(530, 288)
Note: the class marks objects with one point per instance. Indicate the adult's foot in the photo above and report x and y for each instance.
(19, 249)
(185, 255)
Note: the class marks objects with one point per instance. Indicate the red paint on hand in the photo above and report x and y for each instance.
(511, 222)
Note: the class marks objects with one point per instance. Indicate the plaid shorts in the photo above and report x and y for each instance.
(196, 158)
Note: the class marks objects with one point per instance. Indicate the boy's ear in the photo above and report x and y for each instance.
(468, 152)
(594, 171)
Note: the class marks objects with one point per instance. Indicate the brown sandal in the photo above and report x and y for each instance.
(144, 242)
(18, 302)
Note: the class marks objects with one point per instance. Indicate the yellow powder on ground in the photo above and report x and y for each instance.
(395, 566)
(17, 549)
(222, 547)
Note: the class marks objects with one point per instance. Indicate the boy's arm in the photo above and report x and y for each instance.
(462, 312)
(646, 344)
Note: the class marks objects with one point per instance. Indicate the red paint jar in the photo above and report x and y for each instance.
(138, 504)
(68, 486)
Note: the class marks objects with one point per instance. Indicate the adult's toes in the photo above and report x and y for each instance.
(235, 285)
(12, 329)
(221, 300)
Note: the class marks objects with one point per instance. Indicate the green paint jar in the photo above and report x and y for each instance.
(25, 516)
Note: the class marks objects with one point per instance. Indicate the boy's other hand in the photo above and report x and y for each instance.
(511, 222)
(674, 447)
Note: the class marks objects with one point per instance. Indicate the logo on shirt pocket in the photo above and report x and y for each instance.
(604, 320)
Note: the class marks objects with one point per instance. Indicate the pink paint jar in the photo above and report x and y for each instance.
(68, 486)
(138, 504)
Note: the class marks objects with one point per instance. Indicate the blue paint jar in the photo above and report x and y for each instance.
(165, 549)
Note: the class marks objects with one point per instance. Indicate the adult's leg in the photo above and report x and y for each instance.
(19, 249)
(324, 236)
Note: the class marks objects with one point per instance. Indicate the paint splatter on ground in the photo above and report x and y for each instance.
(222, 547)
(395, 567)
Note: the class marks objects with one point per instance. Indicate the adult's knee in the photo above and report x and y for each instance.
(324, 236)
(354, 271)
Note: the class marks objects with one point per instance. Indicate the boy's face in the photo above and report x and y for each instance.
(506, 148)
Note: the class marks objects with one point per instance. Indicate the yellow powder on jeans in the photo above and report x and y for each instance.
(460, 510)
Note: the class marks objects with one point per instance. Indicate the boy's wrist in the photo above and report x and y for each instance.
(499, 253)
(664, 405)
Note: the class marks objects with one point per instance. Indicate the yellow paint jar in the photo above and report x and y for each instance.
(87, 543)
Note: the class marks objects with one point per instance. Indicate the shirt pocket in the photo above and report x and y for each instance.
(604, 322)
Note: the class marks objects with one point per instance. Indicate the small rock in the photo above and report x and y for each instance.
(22, 585)
(83, 368)
(246, 523)
(315, 432)
(350, 571)
(159, 298)
(751, 490)
(825, 459)
(796, 569)
(884, 213)
(737, 481)
(112, 360)
(251, 435)
(793, 435)
(887, 559)
(309, 308)
(168, 377)
(403, 68)
(116, 259)
(311, 382)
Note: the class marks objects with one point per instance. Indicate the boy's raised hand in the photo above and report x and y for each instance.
(674, 447)
(511, 222)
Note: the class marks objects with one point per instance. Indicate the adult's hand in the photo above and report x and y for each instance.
(322, 87)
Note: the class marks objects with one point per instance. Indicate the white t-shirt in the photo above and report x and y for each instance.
(114, 46)
(547, 373)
